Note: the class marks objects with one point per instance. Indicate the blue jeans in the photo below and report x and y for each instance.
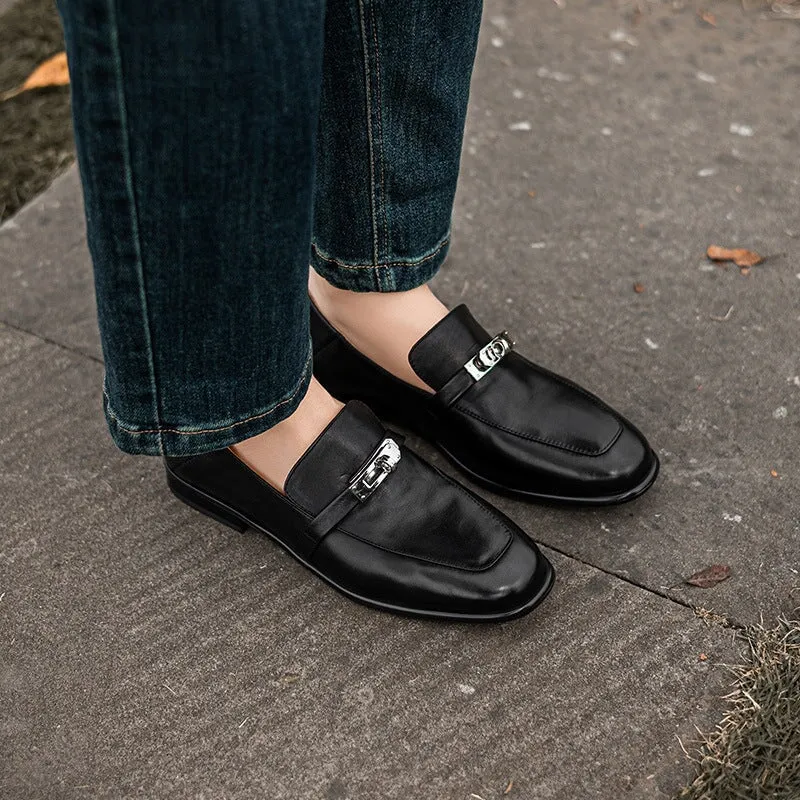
(226, 144)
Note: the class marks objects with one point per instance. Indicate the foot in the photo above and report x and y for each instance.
(272, 454)
(384, 326)
(507, 423)
(377, 523)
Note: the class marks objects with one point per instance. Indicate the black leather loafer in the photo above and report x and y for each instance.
(377, 523)
(507, 423)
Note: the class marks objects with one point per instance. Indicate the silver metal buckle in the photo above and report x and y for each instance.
(381, 463)
(489, 356)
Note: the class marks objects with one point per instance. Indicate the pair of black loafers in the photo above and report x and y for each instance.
(388, 529)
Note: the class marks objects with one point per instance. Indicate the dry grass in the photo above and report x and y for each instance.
(35, 127)
(754, 754)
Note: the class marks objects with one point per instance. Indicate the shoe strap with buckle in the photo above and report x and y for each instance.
(362, 485)
(476, 368)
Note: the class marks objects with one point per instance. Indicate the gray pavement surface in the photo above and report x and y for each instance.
(148, 652)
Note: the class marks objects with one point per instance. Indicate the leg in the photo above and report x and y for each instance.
(196, 143)
(394, 100)
(381, 230)
(388, 167)
(196, 125)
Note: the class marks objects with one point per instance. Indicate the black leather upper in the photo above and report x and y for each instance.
(574, 420)
(520, 428)
(416, 512)
(420, 543)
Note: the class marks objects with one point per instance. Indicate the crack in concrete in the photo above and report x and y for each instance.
(710, 617)
(11, 326)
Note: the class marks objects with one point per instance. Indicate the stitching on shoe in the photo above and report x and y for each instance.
(473, 498)
(541, 440)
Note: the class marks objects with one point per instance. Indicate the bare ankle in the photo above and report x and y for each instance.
(272, 454)
(384, 326)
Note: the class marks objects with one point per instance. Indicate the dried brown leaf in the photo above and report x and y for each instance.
(709, 18)
(739, 256)
(638, 288)
(710, 576)
(53, 72)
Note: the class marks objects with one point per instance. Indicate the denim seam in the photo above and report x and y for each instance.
(381, 199)
(368, 101)
(133, 209)
(179, 432)
(413, 263)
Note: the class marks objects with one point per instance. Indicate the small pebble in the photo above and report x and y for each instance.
(465, 688)
(561, 77)
(651, 344)
(741, 130)
(705, 77)
(623, 36)
(781, 412)
(520, 126)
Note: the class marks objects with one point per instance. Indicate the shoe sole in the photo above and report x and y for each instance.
(226, 515)
(556, 500)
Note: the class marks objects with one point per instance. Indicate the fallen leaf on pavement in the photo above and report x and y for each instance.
(709, 18)
(638, 288)
(774, 473)
(509, 787)
(739, 256)
(710, 576)
(52, 72)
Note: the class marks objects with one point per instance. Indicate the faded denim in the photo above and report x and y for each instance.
(226, 144)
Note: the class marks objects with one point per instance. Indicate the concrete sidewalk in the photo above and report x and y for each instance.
(148, 652)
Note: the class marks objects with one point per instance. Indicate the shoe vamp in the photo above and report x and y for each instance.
(417, 512)
(520, 398)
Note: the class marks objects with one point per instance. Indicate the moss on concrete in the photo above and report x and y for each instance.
(755, 751)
